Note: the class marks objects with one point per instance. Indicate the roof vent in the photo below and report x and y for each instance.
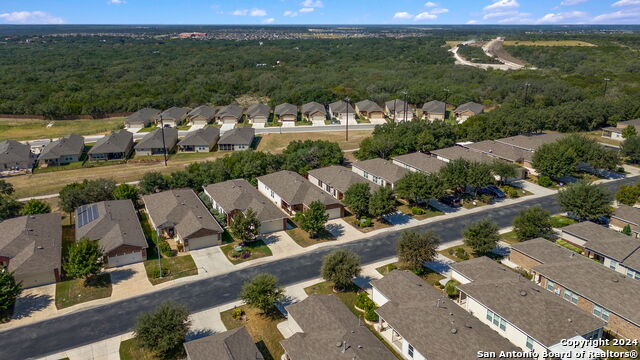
(339, 344)
(615, 280)
(569, 320)
(523, 293)
(454, 330)
(40, 247)
(360, 347)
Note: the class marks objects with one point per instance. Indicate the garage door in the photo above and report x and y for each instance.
(271, 226)
(125, 259)
(333, 213)
(203, 242)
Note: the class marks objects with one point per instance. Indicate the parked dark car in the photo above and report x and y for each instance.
(495, 191)
(451, 200)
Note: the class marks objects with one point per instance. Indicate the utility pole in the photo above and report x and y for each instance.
(164, 146)
(606, 83)
(404, 93)
(526, 93)
(158, 252)
(347, 100)
(395, 111)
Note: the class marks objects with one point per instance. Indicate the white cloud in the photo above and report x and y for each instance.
(312, 3)
(471, 22)
(258, 12)
(626, 2)
(116, 2)
(563, 18)
(240, 12)
(306, 10)
(402, 15)
(500, 14)
(430, 4)
(290, 13)
(252, 12)
(425, 16)
(268, 21)
(439, 11)
(572, 2)
(30, 17)
(628, 16)
(502, 4)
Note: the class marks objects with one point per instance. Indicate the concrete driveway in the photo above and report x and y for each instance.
(226, 127)
(281, 244)
(211, 261)
(129, 280)
(36, 303)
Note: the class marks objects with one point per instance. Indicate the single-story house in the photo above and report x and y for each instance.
(434, 110)
(233, 196)
(115, 225)
(421, 323)
(369, 110)
(15, 156)
(286, 112)
(172, 117)
(179, 214)
(153, 144)
(62, 151)
(141, 119)
(31, 248)
(531, 142)
(314, 111)
(335, 180)
(398, 110)
(380, 171)
(229, 114)
(237, 139)
(458, 152)
(258, 113)
(342, 111)
(201, 140)
(115, 146)
(201, 115)
(235, 344)
(580, 233)
(420, 162)
(324, 328)
(503, 151)
(532, 319)
(467, 110)
(596, 289)
(293, 193)
(615, 132)
(625, 215)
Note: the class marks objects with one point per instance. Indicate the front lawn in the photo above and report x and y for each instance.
(130, 350)
(73, 292)
(149, 128)
(253, 250)
(375, 224)
(172, 268)
(470, 203)
(427, 275)
(262, 328)
(419, 213)
(303, 123)
(560, 221)
(464, 252)
(302, 238)
(514, 192)
(509, 237)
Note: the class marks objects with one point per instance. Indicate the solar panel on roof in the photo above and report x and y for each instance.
(87, 214)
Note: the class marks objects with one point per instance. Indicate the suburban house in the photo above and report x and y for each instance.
(625, 215)
(531, 142)
(434, 110)
(154, 144)
(596, 289)
(201, 140)
(369, 110)
(115, 146)
(141, 119)
(314, 111)
(293, 193)
(531, 318)
(15, 156)
(237, 139)
(398, 110)
(579, 234)
(322, 327)
(458, 152)
(201, 115)
(615, 132)
(467, 110)
(335, 180)
(258, 113)
(31, 248)
(503, 151)
(178, 214)
(234, 196)
(235, 344)
(340, 110)
(172, 117)
(420, 162)
(286, 112)
(62, 151)
(115, 225)
(422, 323)
(380, 171)
(229, 114)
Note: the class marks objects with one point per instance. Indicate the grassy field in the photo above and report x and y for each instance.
(130, 350)
(453, 43)
(262, 328)
(276, 143)
(73, 292)
(176, 267)
(547, 43)
(27, 129)
(257, 248)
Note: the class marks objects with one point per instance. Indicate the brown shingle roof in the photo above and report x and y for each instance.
(628, 214)
(238, 136)
(153, 140)
(483, 269)
(113, 143)
(286, 109)
(12, 152)
(340, 107)
(434, 107)
(421, 161)
(531, 142)
(232, 110)
(368, 106)
(470, 106)
(258, 110)
(240, 195)
(501, 150)
(384, 169)
(206, 136)
(142, 117)
(294, 189)
(204, 111)
(234, 344)
(544, 251)
(458, 152)
(340, 178)
(71, 144)
(312, 107)
(175, 113)
(605, 241)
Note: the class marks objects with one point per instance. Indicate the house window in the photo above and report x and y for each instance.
(550, 285)
(570, 296)
(366, 175)
(601, 312)
(612, 264)
(630, 273)
(410, 351)
(529, 343)
(272, 194)
(497, 320)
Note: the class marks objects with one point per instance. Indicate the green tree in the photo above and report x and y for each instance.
(313, 219)
(356, 198)
(628, 194)
(414, 248)
(533, 222)
(9, 207)
(504, 170)
(554, 160)
(631, 148)
(262, 292)
(163, 330)
(98, 190)
(9, 291)
(126, 192)
(153, 182)
(340, 267)
(245, 226)
(629, 131)
(84, 259)
(71, 197)
(585, 200)
(382, 203)
(34, 207)
(626, 230)
(302, 156)
(482, 236)
(6, 188)
(417, 187)
(454, 173)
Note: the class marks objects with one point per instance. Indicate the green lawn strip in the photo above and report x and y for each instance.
(172, 268)
(262, 328)
(559, 221)
(243, 124)
(465, 253)
(375, 224)
(257, 249)
(426, 212)
(303, 123)
(71, 166)
(73, 292)
(272, 124)
(191, 155)
(183, 127)
(509, 237)
(569, 246)
(428, 275)
(302, 238)
(149, 234)
(130, 350)
(148, 129)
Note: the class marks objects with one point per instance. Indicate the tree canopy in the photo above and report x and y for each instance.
(340, 267)
(313, 219)
(245, 226)
(262, 292)
(84, 259)
(418, 187)
(34, 207)
(356, 198)
(415, 249)
(585, 200)
(533, 222)
(382, 203)
(10, 289)
(482, 236)
(163, 329)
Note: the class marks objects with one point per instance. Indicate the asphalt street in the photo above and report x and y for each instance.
(98, 323)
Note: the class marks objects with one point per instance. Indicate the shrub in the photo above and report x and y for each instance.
(451, 288)
(165, 248)
(154, 271)
(364, 302)
(364, 222)
(545, 181)
(237, 313)
(511, 192)
(486, 198)
(524, 273)
(620, 170)
(462, 254)
(371, 315)
(417, 211)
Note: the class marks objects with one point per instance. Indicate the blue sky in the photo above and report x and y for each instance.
(319, 12)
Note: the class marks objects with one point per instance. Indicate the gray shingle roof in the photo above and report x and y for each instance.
(458, 152)
(543, 250)
(633, 122)
(312, 107)
(398, 104)
(294, 189)
(234, 344)
(181, 209)
(382, 168)
(326, 321)
(483, 269)
(153, 140)
(501, 150)
(113, 143)
(142, 117)
(340, 107)
(286, 109)
(204, 111)
(173, 113)
(368, 106)
(71, 144)
(470, 106)
(240, 195)
(206, 136)
(434, 107)
(12, 151)
(340, 178)
(238, 136)
(116, 224)
(531, 142)
(426, 318)
(258, 110)
(32, 243)
(421, 161)
(232, 110)
(628, 214)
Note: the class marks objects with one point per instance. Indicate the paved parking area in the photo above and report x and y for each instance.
(211, 261)
(129, 280)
